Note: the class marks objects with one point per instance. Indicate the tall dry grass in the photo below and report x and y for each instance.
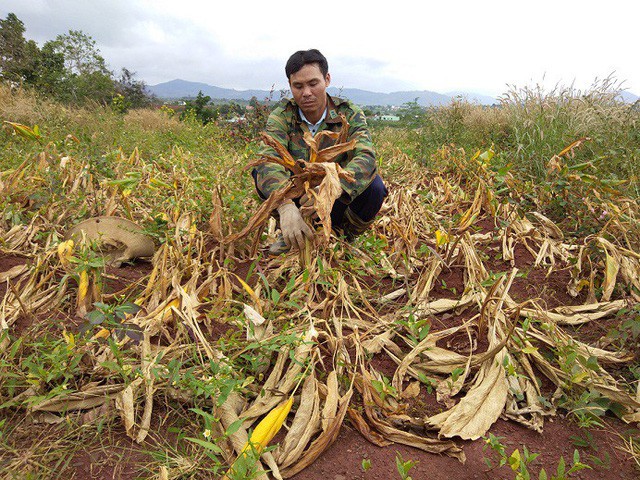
(532, 124)
(545, 121)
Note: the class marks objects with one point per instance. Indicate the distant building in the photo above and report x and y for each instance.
(389, 118)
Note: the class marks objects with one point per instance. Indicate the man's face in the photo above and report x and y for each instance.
(309, 89)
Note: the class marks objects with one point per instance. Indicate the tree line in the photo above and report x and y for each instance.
(68, 68)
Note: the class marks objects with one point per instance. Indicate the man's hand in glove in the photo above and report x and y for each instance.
(294, 228)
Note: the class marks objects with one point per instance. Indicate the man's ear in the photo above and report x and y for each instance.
(327, 79)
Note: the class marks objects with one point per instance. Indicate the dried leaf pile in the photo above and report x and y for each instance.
(324, 324)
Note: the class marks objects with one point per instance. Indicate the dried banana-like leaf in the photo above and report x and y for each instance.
(240, 437)
(286, 383)
(305, 424)
(328, 193)
(358, 421)
(125, 405)
(324, 440)
(287, 160)
(427, 444)
(331, 402)
(311, 141)
(92, 397)
(328, 154)
(576, 315)
(480, 407)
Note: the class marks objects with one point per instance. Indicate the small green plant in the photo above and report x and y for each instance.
(47, 365)
(587, 442)
(455, 374)
(495, 444)
(417, 328)
(113, 317)
(246, 466)
(521, 462)
(404, 466)
(562, 473)
(384, 388)
(627, 333)
(366, 464)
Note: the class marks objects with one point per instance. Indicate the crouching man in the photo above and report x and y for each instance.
(313, 110)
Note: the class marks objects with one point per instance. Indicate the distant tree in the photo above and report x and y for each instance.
(69, 68)
(14, 51)
(411, 114)
(29, 67)
(81, 56)
(86, 74)
(198, 109)
(51, 71)
(132, 93)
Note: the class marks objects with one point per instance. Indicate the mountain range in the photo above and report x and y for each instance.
(176, 89)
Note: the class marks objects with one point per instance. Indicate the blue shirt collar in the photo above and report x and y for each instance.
(313, 127)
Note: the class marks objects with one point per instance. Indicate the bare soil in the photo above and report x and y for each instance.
(600, 447)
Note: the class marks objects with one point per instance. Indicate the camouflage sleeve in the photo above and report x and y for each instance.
(271, 176)
(363, 163)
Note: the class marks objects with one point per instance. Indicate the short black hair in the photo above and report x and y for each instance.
(305, 57)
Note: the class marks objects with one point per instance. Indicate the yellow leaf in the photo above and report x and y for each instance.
(159, 183)
(69, 338)
(268, 427)
(24, 131)
(485, 157)
(441, 238)
(265, 431)
(581, 284)
(102, 333)
(83, 286)
(167, 311)
(610, 274)
(578, 377)
(250, 291)
(574, 145)
(514, 460)
(65, 252)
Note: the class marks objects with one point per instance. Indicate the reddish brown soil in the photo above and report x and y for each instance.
(124, 459)
(117, 279)
(92, 463)
(343, 460)
(560, 437)
(7, 262)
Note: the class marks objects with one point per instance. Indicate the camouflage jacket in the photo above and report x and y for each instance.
(286, 126)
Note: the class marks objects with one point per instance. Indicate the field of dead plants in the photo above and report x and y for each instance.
(487, 326)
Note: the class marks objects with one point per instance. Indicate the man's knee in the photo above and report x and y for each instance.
(368, 203)
(378, 191)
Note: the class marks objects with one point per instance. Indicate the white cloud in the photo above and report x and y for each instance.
(441, 46)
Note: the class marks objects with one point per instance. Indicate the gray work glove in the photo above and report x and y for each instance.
(294, 228)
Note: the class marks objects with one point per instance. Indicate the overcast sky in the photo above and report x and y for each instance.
(443, 46)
